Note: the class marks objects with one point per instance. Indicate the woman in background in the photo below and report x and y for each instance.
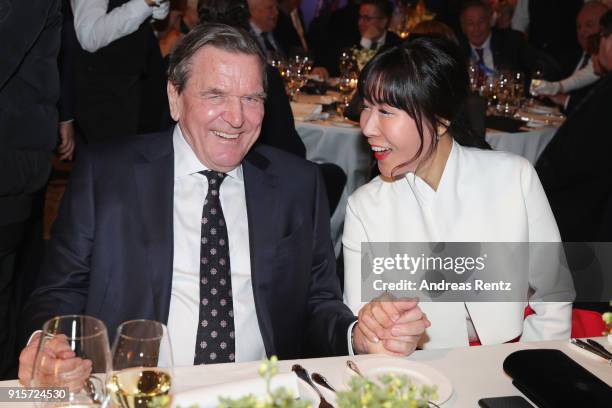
(439, 183)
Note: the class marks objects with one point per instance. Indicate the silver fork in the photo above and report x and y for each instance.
(303, 374)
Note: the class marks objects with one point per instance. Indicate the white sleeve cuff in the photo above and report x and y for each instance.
(349, 338)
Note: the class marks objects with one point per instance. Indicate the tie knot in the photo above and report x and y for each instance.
(214, 177)
(479, 52)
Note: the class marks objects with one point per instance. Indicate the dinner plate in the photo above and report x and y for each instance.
(418, 373)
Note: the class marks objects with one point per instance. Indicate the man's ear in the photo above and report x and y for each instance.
(173, 100)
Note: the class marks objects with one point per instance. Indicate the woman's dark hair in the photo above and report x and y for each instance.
(428, 79)
(234, 13)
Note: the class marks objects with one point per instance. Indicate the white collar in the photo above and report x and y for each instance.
(485, 45)
(366, 42)
(255, 29)
(187, 163)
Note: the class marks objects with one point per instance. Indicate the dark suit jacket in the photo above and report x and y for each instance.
(575, 169)
(286, 34)
(111, 253)
(512, 52)
(278, 126)
(29, 90)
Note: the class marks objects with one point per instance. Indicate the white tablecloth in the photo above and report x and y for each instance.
(346, 147)
(475, 372)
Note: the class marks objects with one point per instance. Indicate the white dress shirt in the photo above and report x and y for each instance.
(483, 196)
(270, 36)
(487, 54)
(96, 27)
(367, 42)
(190, 189)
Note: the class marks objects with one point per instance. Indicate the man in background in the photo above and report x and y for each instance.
(29, 91)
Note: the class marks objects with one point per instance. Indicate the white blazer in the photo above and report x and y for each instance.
(483, 196)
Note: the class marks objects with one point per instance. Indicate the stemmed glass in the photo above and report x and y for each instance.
(82, 374)
(346, 86)
(142, 365)
(276, 60)
(295, 78)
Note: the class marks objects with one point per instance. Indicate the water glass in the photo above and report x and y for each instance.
(83, 374)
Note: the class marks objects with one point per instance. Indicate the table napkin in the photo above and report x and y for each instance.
(306, 111)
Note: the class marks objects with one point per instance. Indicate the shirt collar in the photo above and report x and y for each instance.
(255, 29)
(380, 41)
(187, 163)
(485, 45)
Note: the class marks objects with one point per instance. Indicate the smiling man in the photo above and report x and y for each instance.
(226, 242)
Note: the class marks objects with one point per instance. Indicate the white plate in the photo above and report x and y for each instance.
(418, 373)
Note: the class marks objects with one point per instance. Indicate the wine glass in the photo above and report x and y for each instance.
(346, 86)
(347, 61)
(82, 374)
(295, 78)
(142, 365)
(276, 59)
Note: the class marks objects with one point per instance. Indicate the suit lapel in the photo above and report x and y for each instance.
(155, 192)
(261, 202)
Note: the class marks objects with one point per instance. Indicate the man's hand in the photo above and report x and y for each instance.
(546, 88)
(66, 148)
(389, 326)
(58, 365)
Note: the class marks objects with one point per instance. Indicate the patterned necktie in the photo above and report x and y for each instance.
(215, 339)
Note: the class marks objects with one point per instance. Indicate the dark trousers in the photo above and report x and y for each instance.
(11, 238)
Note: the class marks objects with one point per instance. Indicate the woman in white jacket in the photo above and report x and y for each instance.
(437, 183)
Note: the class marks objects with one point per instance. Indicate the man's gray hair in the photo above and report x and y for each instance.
(221, 36)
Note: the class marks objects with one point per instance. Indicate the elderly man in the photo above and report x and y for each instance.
(373, 23)
(496, 49)
(569, 92)
(227, 243)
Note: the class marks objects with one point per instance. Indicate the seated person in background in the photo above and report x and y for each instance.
(439, 183)
(568, 92)
(373, 23)
(227, 243)
(575, 167)
(475, 105)
(495, 49)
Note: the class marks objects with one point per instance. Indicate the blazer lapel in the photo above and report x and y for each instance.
(155, 192)
(261, 202)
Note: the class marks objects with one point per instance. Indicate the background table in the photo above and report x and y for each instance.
(346, 147)
(475, 372)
